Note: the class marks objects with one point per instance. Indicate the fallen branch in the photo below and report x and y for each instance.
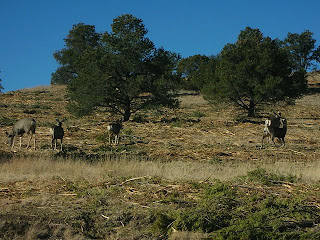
(104, 216)
(68, 194)
(133, 179)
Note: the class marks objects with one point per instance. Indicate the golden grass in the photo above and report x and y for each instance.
(46, 169)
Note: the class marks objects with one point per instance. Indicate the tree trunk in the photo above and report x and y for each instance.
(127, 110)
(126, 115)
(251, 109)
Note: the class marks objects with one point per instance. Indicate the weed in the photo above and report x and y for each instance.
(215, 160)
(139, 118)
(40, 106)
(261, 176)
(102, 137)
(18, 105)
(28, 111)
(4, 121)
(198, 114)
(57, 114)
(162, 223)
(2, 105)
(127, 131)
(177, 123)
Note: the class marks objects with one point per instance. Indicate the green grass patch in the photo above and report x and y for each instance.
(230, 211)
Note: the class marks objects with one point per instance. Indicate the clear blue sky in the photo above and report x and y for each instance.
(32, 30)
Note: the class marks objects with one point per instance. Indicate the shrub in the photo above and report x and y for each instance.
(261, 176)
(4, 121)
(198, 114)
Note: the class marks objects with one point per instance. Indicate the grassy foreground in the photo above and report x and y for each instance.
(58, 198)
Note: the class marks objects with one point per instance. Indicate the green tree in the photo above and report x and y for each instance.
(189, 68)
(302, 50)
(125, 73)
(81, 39)
(253, 71)
(206, 72)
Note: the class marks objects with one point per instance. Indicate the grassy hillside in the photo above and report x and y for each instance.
(164, 178)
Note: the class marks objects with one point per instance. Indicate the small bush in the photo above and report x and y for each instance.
(178, 123)
(102, 138)
(197, 114)
(18, 105)
(39, 106)
(127, 131)
(4, 121)
(261, 176)
(32, 111)
(139, 118)
(162, 223)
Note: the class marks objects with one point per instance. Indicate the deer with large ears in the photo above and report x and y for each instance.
(57, 132)
(276, 127)
(114, 129)
(25, 125)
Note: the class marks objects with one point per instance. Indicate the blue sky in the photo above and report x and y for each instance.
(31, 31)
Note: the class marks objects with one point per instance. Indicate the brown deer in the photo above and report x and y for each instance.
(21, 127)
(114, 129)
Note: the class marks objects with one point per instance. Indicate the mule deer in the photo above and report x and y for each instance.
(21, 127)
(114, 129)
(57, 132)
(276, 127)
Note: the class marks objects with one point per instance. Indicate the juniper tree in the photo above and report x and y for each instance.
(81, 39)
(302, 50)
(124, 72)
(254, 70)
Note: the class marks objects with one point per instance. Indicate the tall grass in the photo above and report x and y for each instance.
(48, 168)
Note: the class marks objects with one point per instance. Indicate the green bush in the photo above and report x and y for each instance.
(228, 211)
(261, 176)
(4, 121)
(139, 118)
(198, 114)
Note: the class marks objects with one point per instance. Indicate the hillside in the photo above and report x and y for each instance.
(164, 178)
(195, 132)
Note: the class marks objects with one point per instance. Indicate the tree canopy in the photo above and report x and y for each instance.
(302, 50)
(121, 70)
(81, 39)
(254, 70)
(189, 68)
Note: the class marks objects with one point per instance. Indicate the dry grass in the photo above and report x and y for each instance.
(46, 169)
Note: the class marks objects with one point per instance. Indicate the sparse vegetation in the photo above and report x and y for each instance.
(112, 198)
(4, 121)
(204, 179)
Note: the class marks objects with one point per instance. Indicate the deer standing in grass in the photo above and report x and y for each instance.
(57, 132)
(21, 127)
(114, 129)
(276, 127)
